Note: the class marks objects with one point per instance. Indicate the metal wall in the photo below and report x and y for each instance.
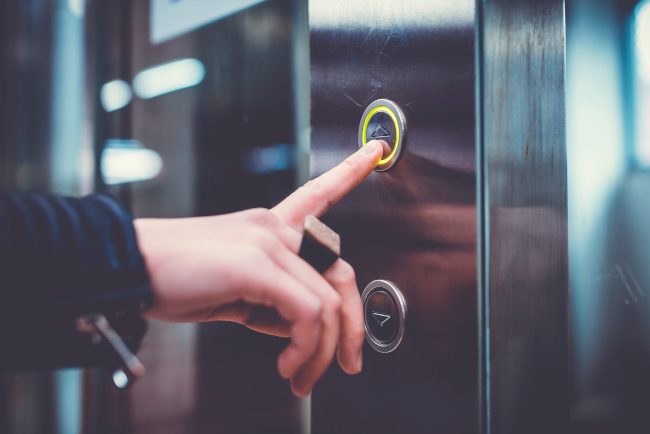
(414, 224)
(525, 216)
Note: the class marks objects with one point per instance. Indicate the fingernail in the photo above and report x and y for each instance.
(360, 361)
(371, 147)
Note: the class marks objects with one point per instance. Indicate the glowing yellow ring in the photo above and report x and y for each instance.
(390, 113)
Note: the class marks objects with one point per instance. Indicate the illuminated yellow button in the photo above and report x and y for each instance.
(383, 120)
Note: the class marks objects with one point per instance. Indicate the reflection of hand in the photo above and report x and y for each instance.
(244, 267)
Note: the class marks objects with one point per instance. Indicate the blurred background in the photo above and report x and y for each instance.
(175, 121)
(208, 113)
(608, 145)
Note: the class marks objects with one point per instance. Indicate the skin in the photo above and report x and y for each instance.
(244, 267)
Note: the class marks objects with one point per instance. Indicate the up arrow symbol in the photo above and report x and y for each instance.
(380, 133)
(381, 317)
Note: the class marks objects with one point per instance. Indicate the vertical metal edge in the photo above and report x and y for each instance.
(301, 88)
(524, 216)
(568, 295)
(301, 62)
(481, 224)
(303, 140)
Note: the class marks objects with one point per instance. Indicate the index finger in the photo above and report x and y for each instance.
(320, 194)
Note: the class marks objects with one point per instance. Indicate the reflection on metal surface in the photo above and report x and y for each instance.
(414, 224)
(525, 217)
(129, 161)
(115, 94)
(169, 77)
(417, 15)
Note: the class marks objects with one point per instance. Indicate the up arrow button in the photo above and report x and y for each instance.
(380, 133)
(381, 317)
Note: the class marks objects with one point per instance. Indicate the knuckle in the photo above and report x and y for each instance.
(313, 311)
(262, 216)
(315, 191)
(356, 328)
(351, 332)
(257, 257)
(351, 163)
(262, 238)
(336, 303)
(253, 235)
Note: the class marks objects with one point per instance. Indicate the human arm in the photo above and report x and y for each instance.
(62, 258)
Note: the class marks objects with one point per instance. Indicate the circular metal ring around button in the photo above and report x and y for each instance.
(391, 317)
(393, 120)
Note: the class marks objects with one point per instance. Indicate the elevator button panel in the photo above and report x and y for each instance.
(384, 315)
(383, 120)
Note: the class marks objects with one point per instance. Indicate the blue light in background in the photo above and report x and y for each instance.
(270, 159)
(115, 94)
(172, 18)
(169, 77)
(642, 39)
(77, 7)
(129, 161)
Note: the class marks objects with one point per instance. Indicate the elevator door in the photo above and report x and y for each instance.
(414, 224)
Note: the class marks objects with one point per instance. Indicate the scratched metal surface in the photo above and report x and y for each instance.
(526, 180)
(414, 224)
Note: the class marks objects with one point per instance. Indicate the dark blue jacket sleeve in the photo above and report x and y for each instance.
(61, 258)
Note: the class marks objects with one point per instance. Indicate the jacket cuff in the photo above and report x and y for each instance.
(62, 258)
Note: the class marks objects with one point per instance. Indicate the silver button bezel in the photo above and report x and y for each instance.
(401, 127)
(389, 287)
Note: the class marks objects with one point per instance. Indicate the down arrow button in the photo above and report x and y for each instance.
(382, 318)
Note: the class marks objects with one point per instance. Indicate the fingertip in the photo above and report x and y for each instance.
(287, 367)
(386, 149)
(373, 148)
(350, 363)
(299, 390)
(283, 370)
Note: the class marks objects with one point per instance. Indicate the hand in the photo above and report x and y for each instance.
(244, 267)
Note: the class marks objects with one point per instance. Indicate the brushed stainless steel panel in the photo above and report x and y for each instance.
(414, 225)
(524, 144)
